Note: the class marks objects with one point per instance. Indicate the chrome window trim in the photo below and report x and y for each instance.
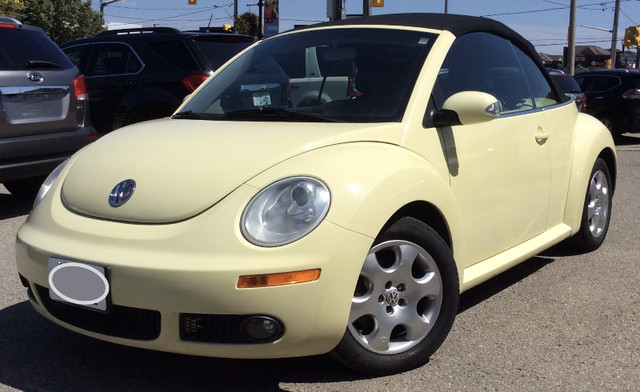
(530, 111)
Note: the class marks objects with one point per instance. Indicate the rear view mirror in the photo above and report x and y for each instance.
(467, 107)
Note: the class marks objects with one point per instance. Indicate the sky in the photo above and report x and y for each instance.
(543, 22)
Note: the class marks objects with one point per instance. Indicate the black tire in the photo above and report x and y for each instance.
(596, 212)
(26, 188)
(410, 273)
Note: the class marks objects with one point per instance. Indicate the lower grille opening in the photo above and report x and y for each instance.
(121, 321)
(238, 329)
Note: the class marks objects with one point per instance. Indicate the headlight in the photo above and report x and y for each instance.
(46, 185)
(285, 211)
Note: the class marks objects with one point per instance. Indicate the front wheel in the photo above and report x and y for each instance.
(404, 302)
(596, 212)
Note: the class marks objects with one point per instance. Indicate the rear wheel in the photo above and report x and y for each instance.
(404, 302)
(596, 212)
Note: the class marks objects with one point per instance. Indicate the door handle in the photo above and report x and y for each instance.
(541, 136)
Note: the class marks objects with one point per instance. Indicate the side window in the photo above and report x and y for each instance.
(113, 59)
(598, 83)
(491, 64)
(78, 56)
(174, 52)
(543, 94)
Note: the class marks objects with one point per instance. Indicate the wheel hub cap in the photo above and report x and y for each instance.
(397, 299)
(392, 297)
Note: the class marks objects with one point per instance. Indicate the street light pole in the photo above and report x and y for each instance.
(104, 4)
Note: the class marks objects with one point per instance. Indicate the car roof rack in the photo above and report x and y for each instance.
(140, 30)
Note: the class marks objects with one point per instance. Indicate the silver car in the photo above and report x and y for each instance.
(43, 107)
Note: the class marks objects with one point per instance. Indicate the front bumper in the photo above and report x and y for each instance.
(163, 277)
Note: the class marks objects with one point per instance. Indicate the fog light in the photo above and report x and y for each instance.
(262, 329)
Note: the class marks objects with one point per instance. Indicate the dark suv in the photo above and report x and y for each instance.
(43, 107)
(569, 86)
(140, 74)
(613, 96)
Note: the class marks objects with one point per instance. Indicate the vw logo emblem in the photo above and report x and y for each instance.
(121, 193)
(34, 77)
(392, 297)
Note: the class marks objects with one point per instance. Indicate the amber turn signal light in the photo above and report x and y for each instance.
(279, 279)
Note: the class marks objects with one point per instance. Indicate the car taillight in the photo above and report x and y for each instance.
(80, 89)
(634, 93)
(8, 26)
(584, 102)
(194, 81)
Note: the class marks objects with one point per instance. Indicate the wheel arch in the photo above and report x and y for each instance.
(593, 140)
(425, 212)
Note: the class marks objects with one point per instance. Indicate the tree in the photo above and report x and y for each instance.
(247, 23)
(11, 8)
(62, 20)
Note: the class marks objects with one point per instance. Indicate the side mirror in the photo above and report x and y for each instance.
(465, 108)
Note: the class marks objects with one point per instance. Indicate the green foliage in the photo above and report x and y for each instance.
(62, 20)
(11, 8)
(247, 23)
(581, 68)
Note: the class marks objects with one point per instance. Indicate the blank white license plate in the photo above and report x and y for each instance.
(78, 283)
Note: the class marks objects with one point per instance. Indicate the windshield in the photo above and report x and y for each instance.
(346, 75)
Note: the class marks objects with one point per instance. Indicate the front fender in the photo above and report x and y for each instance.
(369, 182)
(592, 140)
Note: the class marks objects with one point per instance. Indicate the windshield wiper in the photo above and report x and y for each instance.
(279, 114)
(40, 64)
(191, 115)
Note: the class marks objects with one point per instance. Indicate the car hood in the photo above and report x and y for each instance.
(183, 167)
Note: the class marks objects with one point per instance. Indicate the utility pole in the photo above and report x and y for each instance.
(260, 5)
(446, 6)
(235, 14)
(614, 36)
(571, 37)
(366, 7)
(336, 9)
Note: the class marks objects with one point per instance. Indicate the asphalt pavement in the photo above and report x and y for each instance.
(557, 322)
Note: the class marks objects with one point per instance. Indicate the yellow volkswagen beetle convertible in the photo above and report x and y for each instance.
(329, 190)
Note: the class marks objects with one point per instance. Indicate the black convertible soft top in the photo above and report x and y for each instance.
(456, 24)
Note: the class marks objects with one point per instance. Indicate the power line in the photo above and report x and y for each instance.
(562, 7)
